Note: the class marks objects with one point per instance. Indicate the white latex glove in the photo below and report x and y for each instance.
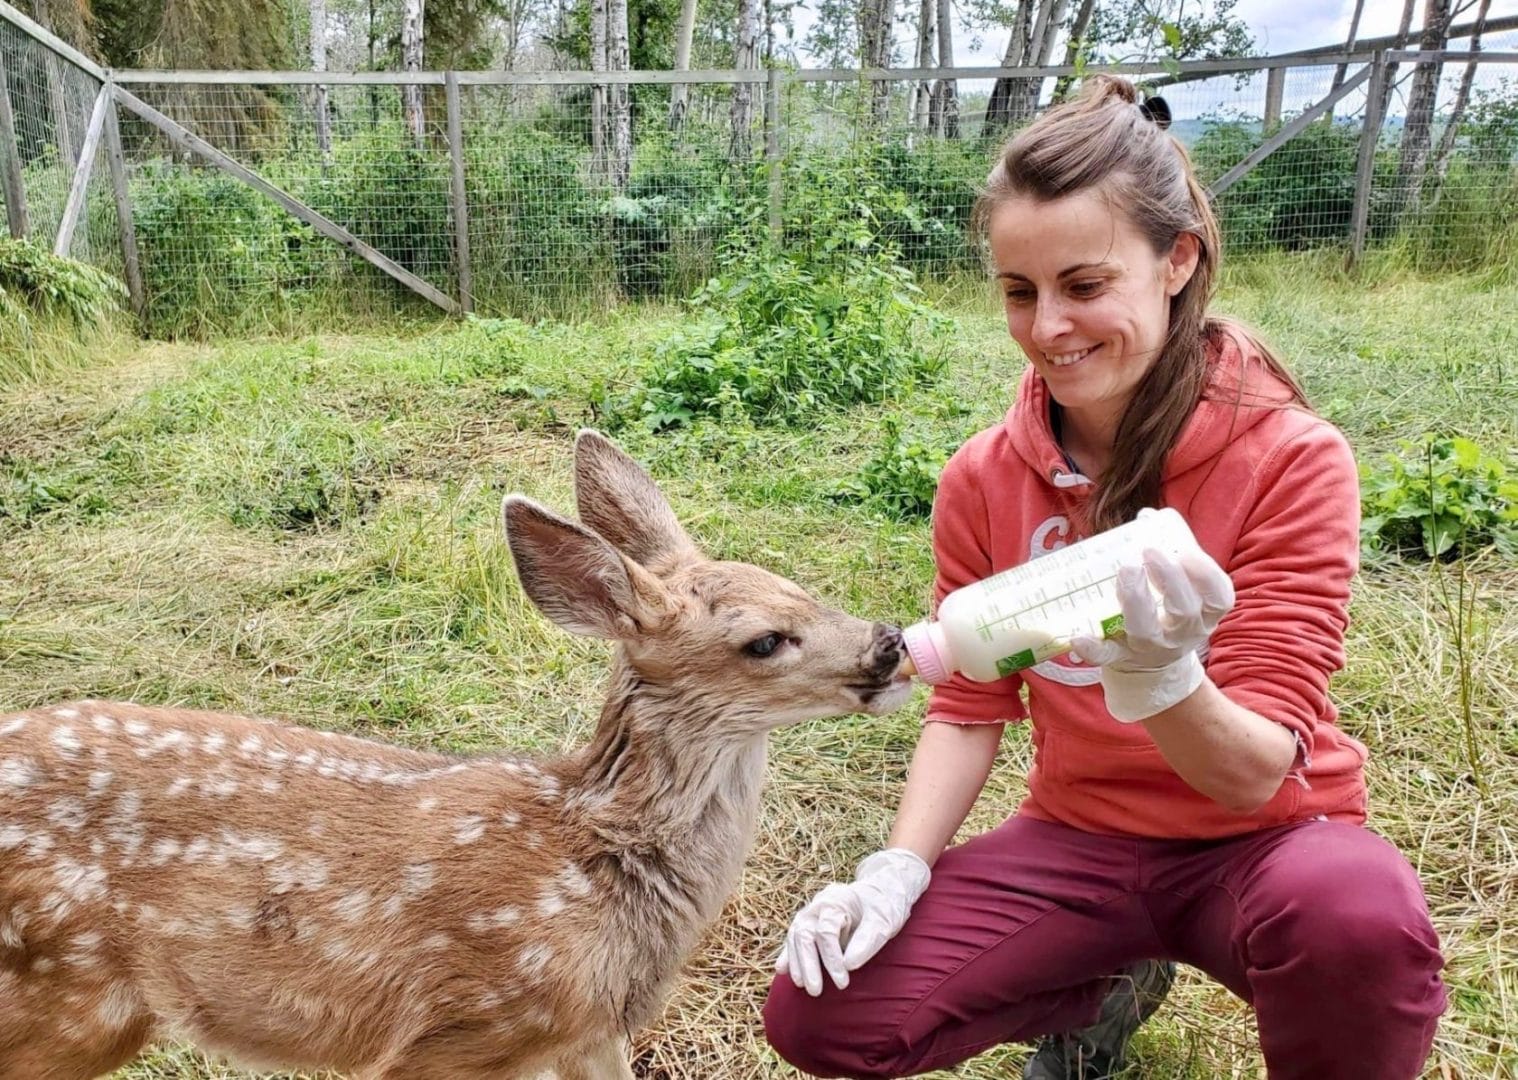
(1153, 664)
(845, 925)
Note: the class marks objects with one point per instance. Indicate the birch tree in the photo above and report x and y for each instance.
(1075, 46)
(945, 107)
(1462, 98)
(1417, 133)
(411, 60)
(319, 63)
(679, 94)
(744, 59)
(876, 19)
(598, 139)
(927, 34)
(618, 58)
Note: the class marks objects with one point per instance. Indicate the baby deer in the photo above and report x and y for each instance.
(296, 899)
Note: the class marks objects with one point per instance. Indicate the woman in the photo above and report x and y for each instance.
(1191, 798)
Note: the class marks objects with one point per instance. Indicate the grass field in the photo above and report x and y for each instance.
(308, 529)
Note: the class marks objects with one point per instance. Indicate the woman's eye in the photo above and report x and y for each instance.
(762, 647)
(1086, 288)
(1019, 296)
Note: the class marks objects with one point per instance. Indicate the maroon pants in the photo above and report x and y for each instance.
(1322, 927)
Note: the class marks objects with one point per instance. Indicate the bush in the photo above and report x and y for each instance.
(1441, 497)
(35, 282)
(786, 334)
(902, 477)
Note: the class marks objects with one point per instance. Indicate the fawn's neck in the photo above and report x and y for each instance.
(673, 817)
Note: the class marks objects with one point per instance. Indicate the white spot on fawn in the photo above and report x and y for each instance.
(351, 908)
(532, 959)
(100, 779)
(427, 805)
(251, 745)
(137, 729)
(213, 743)
(466, 830)
(80, 881)
(17, 773)
(66, 714)
(68, 813)
(10, 727)
(119, 1006)
(11, 836)
(164, 850)
(106, 725)
(485, 921)
(179, 787)
(419, 877)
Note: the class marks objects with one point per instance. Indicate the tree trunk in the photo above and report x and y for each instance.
(598, 132)
(619, 58)
(999, 108)
(1074, 47)
(744, 57)
(927, 32)
(1417, 134)
(876, 18)
(946, 94)
(1389, 81)
(679, 94)
(1462, 99)
(1349, 46)
(373, 65)
(411, 59)
(319, 63)
(1025, 97)
(54, 73)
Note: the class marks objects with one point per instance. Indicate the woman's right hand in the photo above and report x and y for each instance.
(845, 925)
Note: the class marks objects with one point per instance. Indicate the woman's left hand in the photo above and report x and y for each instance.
(1154, 663)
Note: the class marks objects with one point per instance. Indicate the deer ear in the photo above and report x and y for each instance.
(579, 580)
(617, 499)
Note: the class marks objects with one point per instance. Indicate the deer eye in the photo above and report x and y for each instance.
(764, 646)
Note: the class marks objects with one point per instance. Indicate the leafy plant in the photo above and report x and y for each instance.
(36, 281)
(1441, 496)
(785, 334)
(902, 477)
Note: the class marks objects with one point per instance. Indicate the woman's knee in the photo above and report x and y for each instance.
(1358, 911)
(827, 1036)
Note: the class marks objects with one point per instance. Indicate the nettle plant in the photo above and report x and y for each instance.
(785, 334)
(1441, 497)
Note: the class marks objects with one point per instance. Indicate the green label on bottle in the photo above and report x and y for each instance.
(1111, 626)
(1016, 662)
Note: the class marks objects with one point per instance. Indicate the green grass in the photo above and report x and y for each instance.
(308, 529)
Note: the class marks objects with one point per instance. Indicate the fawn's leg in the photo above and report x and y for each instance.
(600, 1061)
(39, 1050)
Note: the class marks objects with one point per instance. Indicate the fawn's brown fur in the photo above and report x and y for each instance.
(293, 898)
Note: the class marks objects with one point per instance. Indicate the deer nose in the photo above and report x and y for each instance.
(886, 648)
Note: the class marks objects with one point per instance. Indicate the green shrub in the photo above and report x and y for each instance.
(35, 282)
(902, 477)
(1440, 497)
(786, 334)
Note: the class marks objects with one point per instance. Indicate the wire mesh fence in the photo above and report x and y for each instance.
(553, 194)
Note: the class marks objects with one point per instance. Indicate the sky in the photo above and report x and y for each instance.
(1279, 26)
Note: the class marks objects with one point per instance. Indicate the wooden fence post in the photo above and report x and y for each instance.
(10, 162)
(772, 152)
(122, 194)
(460, 200)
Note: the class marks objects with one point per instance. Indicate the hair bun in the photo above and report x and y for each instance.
(1156, 110)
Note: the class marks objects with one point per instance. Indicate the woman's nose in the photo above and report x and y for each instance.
(1050, 323)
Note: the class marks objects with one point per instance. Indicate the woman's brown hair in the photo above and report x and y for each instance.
(1102, 140)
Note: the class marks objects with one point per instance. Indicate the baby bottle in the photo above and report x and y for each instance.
(1025, 615)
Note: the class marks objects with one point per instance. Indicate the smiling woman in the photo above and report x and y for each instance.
(1192, 799)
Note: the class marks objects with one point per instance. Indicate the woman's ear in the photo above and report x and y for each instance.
(1182, 262)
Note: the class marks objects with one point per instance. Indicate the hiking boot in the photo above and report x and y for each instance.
(1099, 1051)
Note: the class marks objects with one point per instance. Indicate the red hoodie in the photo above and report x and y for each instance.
(1272, 494)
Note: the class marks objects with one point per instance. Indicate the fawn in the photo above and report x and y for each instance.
(297, 899)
